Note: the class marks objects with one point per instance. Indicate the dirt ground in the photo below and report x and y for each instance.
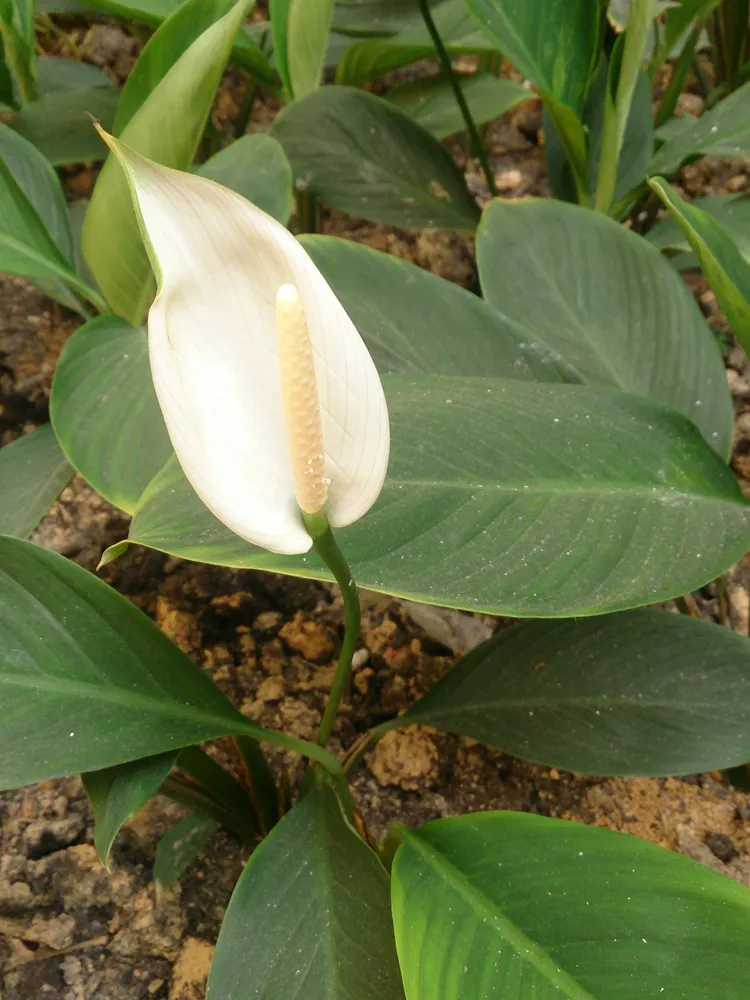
(69, 930)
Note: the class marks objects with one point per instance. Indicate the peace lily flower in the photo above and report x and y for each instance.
(271, 399)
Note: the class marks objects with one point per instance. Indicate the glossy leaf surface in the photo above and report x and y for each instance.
(644, 692)
(504, 904)
(368, 159)
(33, 472)
(608, 304)
(86, 679)
(551, 500)
(105, 412)
(410, 318)
(309, 916)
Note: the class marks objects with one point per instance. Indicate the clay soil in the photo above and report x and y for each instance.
(70, 930)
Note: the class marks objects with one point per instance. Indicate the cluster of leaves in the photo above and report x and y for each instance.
(560, 456)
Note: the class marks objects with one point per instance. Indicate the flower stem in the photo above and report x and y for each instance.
(327, 548)
(478, 148)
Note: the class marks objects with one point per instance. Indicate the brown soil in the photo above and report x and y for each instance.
(69, 930)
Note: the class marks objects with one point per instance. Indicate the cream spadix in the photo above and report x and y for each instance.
(256, 439)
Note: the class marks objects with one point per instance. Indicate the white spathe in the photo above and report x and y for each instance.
(220, 262)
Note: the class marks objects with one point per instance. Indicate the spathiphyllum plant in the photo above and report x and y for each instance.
(552, 447)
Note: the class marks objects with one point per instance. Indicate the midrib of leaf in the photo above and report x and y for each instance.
(528, 950)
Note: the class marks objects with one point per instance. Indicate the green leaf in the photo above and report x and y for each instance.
(731, 210)
(56, 74)
(183, 27)
(246, 52)
(278, 11)
(430, 101)
(607, 303)
(180, 846)
(26, 247)
(117, 793)
(676, 23)
(366, 158)
(39, 183)
(507, 904)
(550, 501)
(59, 125)
(86, 679)
(408, 318)
(308, 28)
(362, 18)
(105, 412)
(722, 131)
(167, 128)
(17, 43)
(720, 258)
(309, 916)
(257, 168)
(554, 43)
(644, 692)
(374, 57)
(33, 472)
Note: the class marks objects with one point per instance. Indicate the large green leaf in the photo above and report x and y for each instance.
(608, 303)
(414, 322)
(374, 57)
(363, 18)
(309, 916)
(86, 679)
(643, 692)
(105, 412)
(368, 159)
(183, 27)
(515, 498)
(167, 128)
(117, 793)
(59, 125)
(256, 167)
(33, 471)
(308, 29)
(731, 210)
(722, 131)
(720, 258)
(431, 103)
(497, 905)
(554, 42)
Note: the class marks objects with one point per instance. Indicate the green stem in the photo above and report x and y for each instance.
(308, 212)
(228, 792)
(246, 110)
(478, 147)
(327, 548)
(679, 74)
